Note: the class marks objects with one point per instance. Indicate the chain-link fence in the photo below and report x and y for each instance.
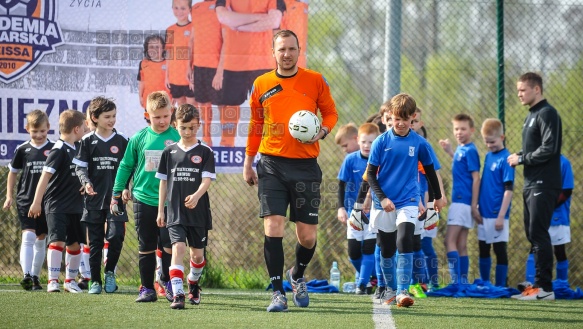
(448, 62)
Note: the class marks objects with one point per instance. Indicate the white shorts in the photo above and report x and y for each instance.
(560, 234)
(388, 221)
(429, 234)
(487, 231)
(365, 234)
(460, 214)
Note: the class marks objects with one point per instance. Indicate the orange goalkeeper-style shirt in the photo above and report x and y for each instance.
(178, 54)
(274, 99)
(295, 18)
(207, 35)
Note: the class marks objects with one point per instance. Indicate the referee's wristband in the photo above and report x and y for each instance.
(325, 133)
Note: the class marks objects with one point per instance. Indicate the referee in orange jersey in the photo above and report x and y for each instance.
(288, 174)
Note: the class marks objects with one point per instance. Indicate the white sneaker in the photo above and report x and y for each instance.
(53, 286)
(72, 287)
(388, 297)
(537, 294)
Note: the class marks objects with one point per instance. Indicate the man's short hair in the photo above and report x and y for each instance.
(532, 80)
(284, 34)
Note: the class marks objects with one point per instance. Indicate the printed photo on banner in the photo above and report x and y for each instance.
(58, 55)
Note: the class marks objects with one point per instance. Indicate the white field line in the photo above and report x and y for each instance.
(381, 315)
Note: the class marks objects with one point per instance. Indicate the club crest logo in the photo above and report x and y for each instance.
(168, 142)
(28, 31)
(114, 149)
(196, 159)
(46, 153)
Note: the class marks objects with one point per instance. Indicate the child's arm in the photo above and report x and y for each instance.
(269, 22)
(446, 145)
(36, 207)
(433, 186)
(499, 225)
(192, 200)
(475, 196)
(234, 19)
(141, 90)
(189, 76)
(161, 219)
(342, 214)
(218, 78)
(371, 173)
(10, 190)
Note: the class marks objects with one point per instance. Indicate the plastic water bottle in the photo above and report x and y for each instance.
(349, 287)
(335, 275)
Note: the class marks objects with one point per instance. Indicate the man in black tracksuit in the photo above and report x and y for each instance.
(540, 155)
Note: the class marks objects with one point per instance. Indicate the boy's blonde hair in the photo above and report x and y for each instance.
(402, 105)
(464, 117)
(158, 100)
(36, 118)
(70, 119)
(187, 112)
(349, 130)
(492, 127)
(368, 129)
(189, 3)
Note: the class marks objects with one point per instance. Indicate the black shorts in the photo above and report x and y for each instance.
(287, 182)
(150, 236)
(181, 91)
(39, 225)
(65, 228)
(203, 84)
(195, 236)
(239, 85)
(101, 216)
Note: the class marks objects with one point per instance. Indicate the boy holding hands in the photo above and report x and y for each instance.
(142, 158)
(185, 172)
(63, 202)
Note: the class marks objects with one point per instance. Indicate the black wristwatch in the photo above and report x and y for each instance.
(325, 133)
(520, 160)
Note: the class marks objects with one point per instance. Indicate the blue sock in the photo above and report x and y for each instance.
(464, 269)
(388, 266)
(431, 260)
(377, 265)
(485, 265)
(530, 269)
(356, 263)
(501, 275)
(563, 270)
(419, 268)
(366, 268)
(404, 270)
(453, 263)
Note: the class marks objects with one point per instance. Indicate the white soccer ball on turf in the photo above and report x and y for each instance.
(304, 126)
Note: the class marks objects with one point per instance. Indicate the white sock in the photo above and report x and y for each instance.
(105, 251)
(158, 264)
(196, 271)
(176, 275)
(26, 252)
(72, 261)
(40, 250)
(54, 257)
(84, 267)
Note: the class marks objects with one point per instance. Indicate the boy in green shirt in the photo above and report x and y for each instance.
(141, 158)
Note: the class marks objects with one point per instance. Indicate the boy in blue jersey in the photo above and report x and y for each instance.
(560, 230)
(494, 203)
(361, 243)
(347, 138)
(392, 175)
(464, 198)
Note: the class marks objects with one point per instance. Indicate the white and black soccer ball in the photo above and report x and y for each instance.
(304, 126)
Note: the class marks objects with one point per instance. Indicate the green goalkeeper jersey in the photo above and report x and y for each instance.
(141, 158)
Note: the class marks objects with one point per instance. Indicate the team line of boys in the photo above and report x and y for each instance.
(154, 154)
(486, 201)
